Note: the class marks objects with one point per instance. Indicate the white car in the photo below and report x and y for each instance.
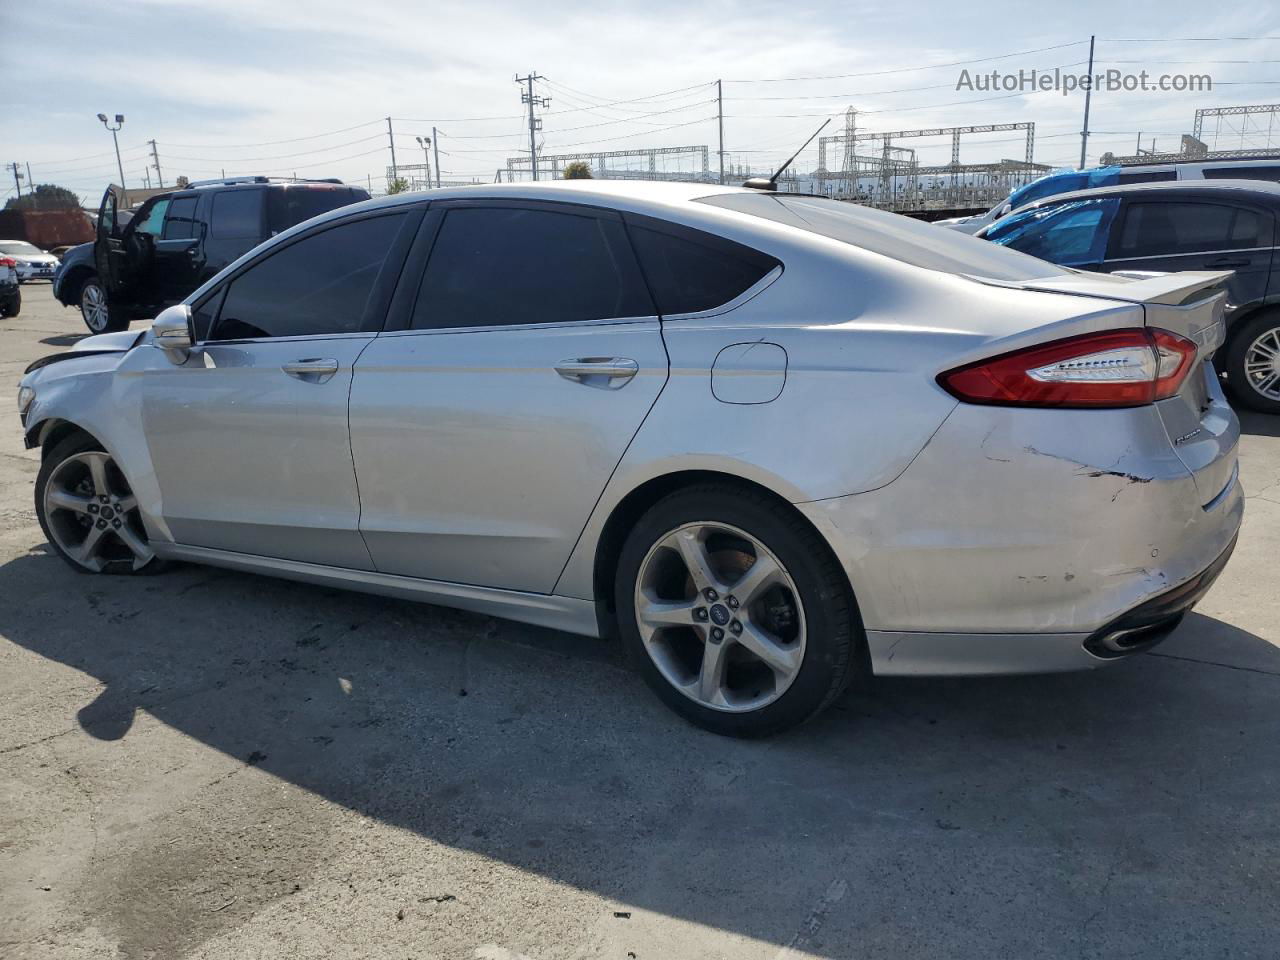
(33, 263)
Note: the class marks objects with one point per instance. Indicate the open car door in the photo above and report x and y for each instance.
(108, 248)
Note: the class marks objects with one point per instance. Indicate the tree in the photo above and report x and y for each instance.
(182, 183)
(397, 185)
(578, 170)
(46, 196)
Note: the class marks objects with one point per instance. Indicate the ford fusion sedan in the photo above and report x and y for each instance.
(768, 442)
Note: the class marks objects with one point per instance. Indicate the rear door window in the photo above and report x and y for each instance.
(1153, 229)
(237, 215)
(1244, 172)
(153, 219)
(179, 221)
(494, 266)
(690, 271)
(319, 285)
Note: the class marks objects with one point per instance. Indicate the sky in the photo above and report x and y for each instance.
(255, 86)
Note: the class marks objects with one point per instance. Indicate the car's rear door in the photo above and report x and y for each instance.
(485, 429)
(248, 438)
(177, 257)
(1195, 234)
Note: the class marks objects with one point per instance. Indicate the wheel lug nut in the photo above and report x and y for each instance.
(116, 524)
(711, 595)
(716, 634)
(102, 524)
(700, 613)
(93, 508)
(104, 499)
(735, 627)
(732, 602)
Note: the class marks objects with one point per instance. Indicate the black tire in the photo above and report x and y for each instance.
(12, 306)
(1243, 390)
(835, 639)
(102, 316)
(67, 449)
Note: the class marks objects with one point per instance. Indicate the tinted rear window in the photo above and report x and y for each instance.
(891, 235)
(1244, 172)
(237, 214)
(1161, 229)
(690, 271)
(1150, 176)
(492, 266)
(179, 223)
(291, 205)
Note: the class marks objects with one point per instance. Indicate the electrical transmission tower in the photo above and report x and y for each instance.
(533, 100)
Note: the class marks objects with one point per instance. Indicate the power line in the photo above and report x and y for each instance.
(271, 143)
(926, 66)
(279, 156)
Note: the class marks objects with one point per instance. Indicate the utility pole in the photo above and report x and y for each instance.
(435, 148)
(146, 177)
(720, 121)
(31, 184)
(395, 173)
(155, 156)
(528, 96)
(1088, 93)
(17, 177)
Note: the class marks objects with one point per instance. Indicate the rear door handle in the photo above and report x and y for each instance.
(1229, 262)
(312, 369)
(580, 370)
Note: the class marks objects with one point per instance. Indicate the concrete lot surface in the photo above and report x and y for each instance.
(210, 765)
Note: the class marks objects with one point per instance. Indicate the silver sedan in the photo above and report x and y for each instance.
(769, 442)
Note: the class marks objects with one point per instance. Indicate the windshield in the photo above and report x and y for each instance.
(1073, 233)
(20, 248)
(890, 234)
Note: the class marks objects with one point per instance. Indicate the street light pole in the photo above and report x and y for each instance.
(425, 144)
(124, 192)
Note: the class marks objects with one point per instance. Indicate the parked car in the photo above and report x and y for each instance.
(33, 263)
(1202, 225)
(147, 259)
(10, 294)
(770, 441)
(1065, 181)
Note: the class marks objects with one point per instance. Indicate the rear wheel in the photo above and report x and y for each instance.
(736, 613)
(98, 314)
(1253, 363)
(11, 306)
(88, 511)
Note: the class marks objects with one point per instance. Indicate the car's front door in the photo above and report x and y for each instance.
(109, 254)
(485, 430)
(1196, 235)
(248, 438)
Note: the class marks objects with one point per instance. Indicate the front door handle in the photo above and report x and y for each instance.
(1229, 262)
(312, 369)
(585, 369)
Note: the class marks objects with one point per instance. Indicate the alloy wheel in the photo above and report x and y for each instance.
(1262, 364)
(93, 307)
(720, 617)
(92, 514)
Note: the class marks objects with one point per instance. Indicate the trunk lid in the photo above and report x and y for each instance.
(1201, 426)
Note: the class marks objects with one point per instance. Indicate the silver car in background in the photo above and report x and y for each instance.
(33, 263)
(770, 442)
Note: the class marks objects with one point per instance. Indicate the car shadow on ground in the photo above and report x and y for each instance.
(64, 339)
(1259, 424)
(1129, 811)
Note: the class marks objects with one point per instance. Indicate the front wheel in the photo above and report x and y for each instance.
(735, 611)
(98, 314)
(88, 511)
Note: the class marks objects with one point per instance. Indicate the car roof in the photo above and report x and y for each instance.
(1262, 189)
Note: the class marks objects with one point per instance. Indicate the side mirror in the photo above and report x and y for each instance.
(171, 332)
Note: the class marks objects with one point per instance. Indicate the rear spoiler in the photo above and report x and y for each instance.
(1169, 289)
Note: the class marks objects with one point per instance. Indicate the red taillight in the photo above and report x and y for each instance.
(1117, 368)
(8, 262)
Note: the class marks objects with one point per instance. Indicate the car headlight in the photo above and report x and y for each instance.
(26, 395)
